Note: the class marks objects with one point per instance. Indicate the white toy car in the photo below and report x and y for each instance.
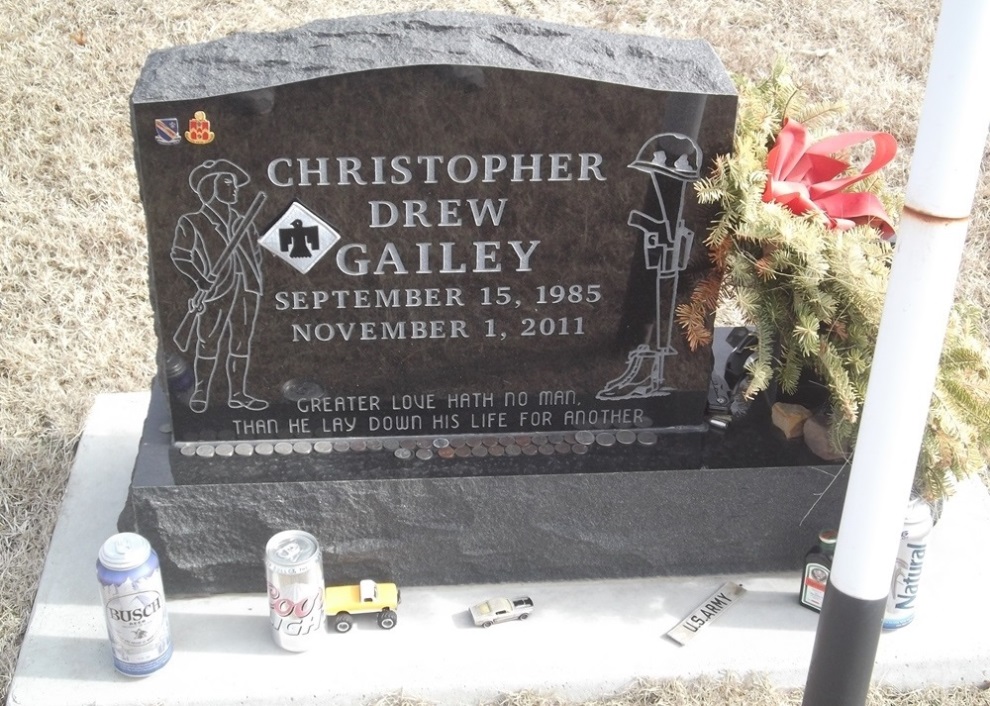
(501, 610)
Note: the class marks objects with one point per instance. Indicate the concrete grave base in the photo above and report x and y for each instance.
(586, 639)
(489, 529)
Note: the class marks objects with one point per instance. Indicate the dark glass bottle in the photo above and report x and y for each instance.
(817, 567)
(179, 377)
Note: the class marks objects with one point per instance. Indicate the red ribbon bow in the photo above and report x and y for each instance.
(803, 177)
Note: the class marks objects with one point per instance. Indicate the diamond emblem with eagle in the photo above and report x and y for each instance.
(300, 237)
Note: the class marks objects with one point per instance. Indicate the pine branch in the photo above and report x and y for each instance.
(815, 295)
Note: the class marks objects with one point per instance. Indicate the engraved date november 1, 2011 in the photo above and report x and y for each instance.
(547, 326)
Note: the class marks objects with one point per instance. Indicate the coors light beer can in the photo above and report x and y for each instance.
(294, 565)
(134, 604)
(910, 561)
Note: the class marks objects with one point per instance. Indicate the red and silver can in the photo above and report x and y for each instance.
(294, 566)
(910, 561)
(134, 604)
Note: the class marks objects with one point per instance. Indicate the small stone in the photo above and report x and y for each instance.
(790, 418)
(625, 437)
(816, 438)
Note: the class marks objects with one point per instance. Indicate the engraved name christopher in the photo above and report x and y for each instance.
(433, 169)
(400, 257)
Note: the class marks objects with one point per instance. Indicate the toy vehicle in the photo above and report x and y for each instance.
(500, 610)
(343, 602)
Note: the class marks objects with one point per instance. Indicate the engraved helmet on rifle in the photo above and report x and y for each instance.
(671, 154)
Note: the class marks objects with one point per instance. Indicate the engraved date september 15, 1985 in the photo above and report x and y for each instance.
(435, 297)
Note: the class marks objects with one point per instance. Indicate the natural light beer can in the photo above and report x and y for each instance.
(294, 566)
(910, 561)
(134, 604)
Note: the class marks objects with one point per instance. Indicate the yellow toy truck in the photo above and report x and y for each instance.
(344, 602)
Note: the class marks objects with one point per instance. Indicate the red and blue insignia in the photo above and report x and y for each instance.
(167, 131)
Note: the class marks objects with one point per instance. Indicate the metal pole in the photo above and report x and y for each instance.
(945, 167)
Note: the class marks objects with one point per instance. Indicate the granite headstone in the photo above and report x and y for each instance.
(414, 280)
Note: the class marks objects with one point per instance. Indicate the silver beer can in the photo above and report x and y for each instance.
(901, 601)
(294, 566)
(134, 604)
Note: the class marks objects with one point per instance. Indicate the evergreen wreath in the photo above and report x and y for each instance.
(811, 281)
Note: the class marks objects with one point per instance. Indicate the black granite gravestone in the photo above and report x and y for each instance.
(414, 280)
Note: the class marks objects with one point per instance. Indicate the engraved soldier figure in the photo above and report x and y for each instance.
(216, 248)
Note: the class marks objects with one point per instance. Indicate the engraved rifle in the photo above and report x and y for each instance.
(183, 334)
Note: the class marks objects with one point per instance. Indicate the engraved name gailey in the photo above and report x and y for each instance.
(486, 256)
(483, 256)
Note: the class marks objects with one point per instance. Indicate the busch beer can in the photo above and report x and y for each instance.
(910, 561)
(294, 566)
(134, 604)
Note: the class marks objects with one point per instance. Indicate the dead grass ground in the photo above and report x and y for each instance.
(728, 690)
(74, 314)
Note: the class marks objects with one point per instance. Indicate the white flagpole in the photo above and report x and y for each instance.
(945, 167)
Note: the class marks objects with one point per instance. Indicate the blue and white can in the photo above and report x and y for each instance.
(134, 605)
(904, 585)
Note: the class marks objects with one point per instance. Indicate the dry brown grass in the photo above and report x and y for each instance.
(74, 313)
(728, 690)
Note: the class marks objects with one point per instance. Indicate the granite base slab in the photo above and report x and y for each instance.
(565, 651)
(482, 529)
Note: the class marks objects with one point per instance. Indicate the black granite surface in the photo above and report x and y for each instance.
(483, 528)
(252, 61)
(435, 149)
(412, 278)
